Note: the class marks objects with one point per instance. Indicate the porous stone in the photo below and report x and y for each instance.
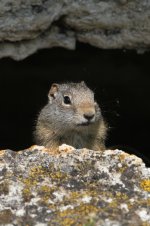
(29, 25)
(73, 187)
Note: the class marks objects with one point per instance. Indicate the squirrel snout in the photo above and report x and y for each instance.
(86, 115)
(89, 116)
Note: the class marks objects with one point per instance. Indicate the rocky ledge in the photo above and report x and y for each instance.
(73, 187)
(27, 26)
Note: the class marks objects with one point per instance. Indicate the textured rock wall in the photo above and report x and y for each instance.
(29, 25)
(73, 187)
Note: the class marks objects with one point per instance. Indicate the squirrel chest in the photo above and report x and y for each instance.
(75, 139)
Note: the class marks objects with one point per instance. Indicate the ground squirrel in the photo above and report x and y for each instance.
(72, 117)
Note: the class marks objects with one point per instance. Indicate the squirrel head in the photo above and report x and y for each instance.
(72, 105)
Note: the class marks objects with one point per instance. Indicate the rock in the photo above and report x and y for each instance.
(26, 26)
(73, 187)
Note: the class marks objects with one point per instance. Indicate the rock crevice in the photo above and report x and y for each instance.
(104, 24)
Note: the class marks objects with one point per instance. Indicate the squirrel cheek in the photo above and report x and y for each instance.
(98, 114)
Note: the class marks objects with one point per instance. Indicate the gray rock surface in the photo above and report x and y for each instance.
(29, 25)
(73, 187)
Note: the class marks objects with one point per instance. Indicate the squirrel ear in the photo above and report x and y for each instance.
(53, 91)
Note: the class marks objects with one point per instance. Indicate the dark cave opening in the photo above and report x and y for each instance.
(119, 78)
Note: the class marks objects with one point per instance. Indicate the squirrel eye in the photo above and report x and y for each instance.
(67, 100)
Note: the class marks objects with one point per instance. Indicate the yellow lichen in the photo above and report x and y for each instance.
(58, 175)
(67, 222)
(113, 204)
(145, 223)
(32, 181)
(145, 185)
(122, 157)
(117, 199)
(46, 189)
(82, 210)
(36, 171)
(26, 193)
(122, 169)
(77, 196)
(87, 208)
(46, 193)
(29, 181)
(121, 196)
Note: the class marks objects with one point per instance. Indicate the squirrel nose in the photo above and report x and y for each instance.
(88, 116)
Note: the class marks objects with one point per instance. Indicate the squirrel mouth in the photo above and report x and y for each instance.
(84, 124)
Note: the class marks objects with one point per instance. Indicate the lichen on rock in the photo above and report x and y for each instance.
(73, 187)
